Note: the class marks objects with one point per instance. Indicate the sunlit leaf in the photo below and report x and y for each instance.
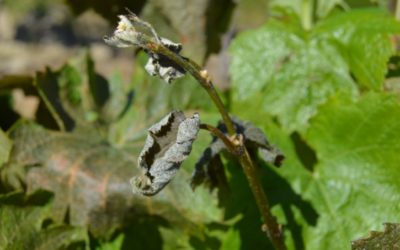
(366, 39)
(290, 75)
(292, 72)
(353, 175)
(357, 147)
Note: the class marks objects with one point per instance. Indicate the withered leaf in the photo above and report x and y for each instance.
(255, 140)
(162, 66)
(168, 144)
(128, 34)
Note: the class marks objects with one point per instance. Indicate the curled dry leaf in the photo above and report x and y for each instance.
(128, 34)
(168, 144)
(161, 66)
(125, 35)
(254, 139)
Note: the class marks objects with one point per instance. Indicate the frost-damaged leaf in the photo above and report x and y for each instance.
(162, 66)
(22, 225)
(168, 144)
(255, 140)
(128, 34)
(388, 239)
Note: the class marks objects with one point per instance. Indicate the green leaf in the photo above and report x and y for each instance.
(5, 147)
(71, 80)
(232, 240)
(116, 244)
(324, 7)
(22, 225)
(62, 237)
(388, 239)
(366, 39)
(338, 173)
(292, 72)
(288, 75)
(293, 5)
(355, 173)
(19, 227)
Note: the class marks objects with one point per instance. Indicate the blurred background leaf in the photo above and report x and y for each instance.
(25, 224)
(5, 147)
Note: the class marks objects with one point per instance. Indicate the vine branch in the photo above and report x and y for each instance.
(218, 133)
(126, 35)
(273, 230)
(200, 75)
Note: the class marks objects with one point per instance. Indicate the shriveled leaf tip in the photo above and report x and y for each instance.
(126, 35)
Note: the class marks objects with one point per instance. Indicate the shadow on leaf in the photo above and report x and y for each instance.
(279, 193)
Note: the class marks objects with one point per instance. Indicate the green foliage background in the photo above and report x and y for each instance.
(319, 77)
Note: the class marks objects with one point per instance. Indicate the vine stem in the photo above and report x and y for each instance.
(200, 75)
(271, 227)
(235, 143)
(218, 133)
